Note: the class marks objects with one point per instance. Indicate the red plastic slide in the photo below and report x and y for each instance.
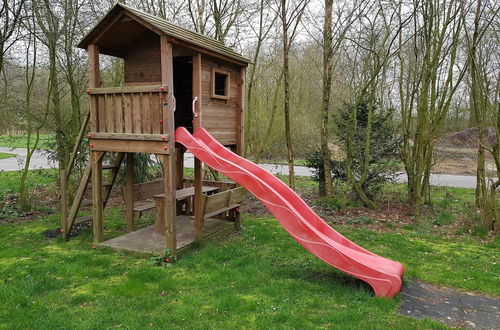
(299, 220)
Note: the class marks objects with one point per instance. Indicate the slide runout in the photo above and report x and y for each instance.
(370, 268)
(287, 193)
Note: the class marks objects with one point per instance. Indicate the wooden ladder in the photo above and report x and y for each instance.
(78, 201)
(68, 220)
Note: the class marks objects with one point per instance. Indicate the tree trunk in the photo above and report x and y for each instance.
(326, 184)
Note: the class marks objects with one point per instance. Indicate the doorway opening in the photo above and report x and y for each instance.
(183, 91)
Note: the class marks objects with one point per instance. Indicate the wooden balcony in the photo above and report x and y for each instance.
(130, 119)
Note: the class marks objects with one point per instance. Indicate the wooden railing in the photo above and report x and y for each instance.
(129, 110)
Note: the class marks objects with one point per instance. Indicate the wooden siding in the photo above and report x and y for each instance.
(219, 116)
(142, 61)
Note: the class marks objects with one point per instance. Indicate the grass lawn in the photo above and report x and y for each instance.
(4, 155)
(19, 141)
(258, 278)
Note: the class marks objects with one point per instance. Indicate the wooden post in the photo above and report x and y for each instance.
(198, 200)
(97, 201)
(94, 82)
(129, 192)
(240, 129)
(179, 171)
(169, 178)
(64, 203)
(169, 203)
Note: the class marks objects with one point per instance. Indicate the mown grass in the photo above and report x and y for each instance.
(9, 181)
(4, 155)
(260, 278)
(19, 141)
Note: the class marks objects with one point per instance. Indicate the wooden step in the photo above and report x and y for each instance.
(109, 167)
(86, 202)
(85, 218)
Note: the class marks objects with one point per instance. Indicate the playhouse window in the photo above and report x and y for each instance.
(220, 84)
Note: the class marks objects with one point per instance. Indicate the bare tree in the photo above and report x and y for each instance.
(10, 16)
(430, 74)
(290, 14)
(482, 98)
(33, 125)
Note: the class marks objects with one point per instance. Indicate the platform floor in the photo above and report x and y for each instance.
(145, 240)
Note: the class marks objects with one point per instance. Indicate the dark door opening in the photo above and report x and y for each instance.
(183, 91)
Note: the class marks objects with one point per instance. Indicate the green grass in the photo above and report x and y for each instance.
(259, 279)
(4, 155)
(9, 181)
(19, 141)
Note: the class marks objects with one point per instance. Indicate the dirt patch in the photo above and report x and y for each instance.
(75, 231)
(468, 138)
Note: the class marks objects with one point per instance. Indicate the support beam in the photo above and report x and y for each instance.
(179, 171)
(169, 204)
(198, 200)
(94, 82)
(240, 120)
(129, 192)
(169, 175)
(97, 201)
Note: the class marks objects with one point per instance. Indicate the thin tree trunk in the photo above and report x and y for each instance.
(326, 187)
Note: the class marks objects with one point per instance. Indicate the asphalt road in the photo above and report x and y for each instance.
(40, 160)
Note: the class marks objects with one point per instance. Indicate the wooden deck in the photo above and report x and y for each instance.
(146, 241)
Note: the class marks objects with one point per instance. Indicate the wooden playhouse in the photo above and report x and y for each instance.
(172, 77)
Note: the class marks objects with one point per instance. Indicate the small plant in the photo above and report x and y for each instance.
(444, 218)
(361, 220)
(163, 260)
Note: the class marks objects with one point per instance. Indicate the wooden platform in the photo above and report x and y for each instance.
(145, 240)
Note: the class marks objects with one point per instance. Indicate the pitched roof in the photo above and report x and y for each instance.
(166, 27)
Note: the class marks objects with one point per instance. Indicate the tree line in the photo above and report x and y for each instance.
(324, 74)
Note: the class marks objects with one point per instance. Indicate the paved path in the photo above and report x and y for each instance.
(447, 180)
(40, 160)
(454, 308)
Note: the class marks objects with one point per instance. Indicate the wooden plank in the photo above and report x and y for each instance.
(127, 136)
(94, 81)
(98, 210)
(240, 118)
(216, 201)
(197, 89)
(187, 192)
(179, 166)
(237, 195)
(198, 198)
(109, 109)
(129, 192)
(152, 147)
(167, 79)
(101, 113)
(155, 106)
(169, 202)
(76, 146)
(129, 89)
(146, 112)
(78, 197)
(129, 122)
(136, 113)
(118, 103)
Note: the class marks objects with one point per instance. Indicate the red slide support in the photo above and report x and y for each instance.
(298, 219)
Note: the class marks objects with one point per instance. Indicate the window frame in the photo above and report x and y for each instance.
(227, 87)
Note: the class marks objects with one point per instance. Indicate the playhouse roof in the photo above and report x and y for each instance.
(112, 45)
